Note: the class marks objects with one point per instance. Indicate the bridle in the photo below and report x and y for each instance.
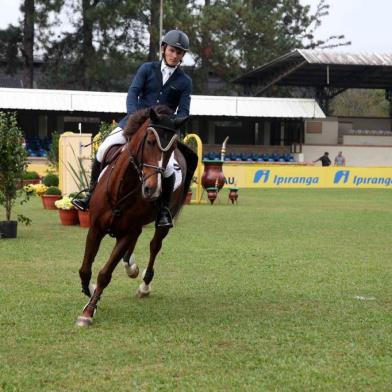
(139, 165)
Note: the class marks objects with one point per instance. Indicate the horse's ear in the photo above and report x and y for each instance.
(154, 116)
(180, 121)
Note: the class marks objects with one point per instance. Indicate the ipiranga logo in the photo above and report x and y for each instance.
(343, 176)
(264, 176)
(261, 174)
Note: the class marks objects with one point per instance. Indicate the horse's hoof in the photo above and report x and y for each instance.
(131, 270)
(83, 321)
(142, 294)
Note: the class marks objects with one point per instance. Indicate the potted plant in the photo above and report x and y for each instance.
(51, 179)
(39, 189)
(30, 177)
(13, 162)
(52, 194)
(67, 212)
(83, 216)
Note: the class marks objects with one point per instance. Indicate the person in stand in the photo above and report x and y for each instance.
(340, 160)
(155, 83)
(325, 161)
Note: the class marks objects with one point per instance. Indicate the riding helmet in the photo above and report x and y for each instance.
(176, 38)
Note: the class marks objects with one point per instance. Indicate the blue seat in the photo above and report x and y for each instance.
(265, 157)
(259, 158)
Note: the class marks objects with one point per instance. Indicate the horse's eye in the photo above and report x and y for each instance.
(151, 142)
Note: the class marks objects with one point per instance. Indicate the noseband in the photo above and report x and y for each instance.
(139, 166)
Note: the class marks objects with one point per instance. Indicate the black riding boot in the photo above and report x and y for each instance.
(82, 204)
(164, 218)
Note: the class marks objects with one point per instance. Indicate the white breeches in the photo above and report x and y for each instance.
(117, 137)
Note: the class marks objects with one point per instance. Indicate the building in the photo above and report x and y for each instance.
(256, 123)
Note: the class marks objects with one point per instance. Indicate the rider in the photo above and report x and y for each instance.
(155, 83)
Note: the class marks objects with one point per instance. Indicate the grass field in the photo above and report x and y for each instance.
(288, 291)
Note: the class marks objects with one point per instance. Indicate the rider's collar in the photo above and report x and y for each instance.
(165, 65)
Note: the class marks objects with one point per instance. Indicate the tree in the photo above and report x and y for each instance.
(102, 51)
(10, 44)
(360, 102)
(110, 38)
(13, 162)
(19, 43)
(236, 36)
(28, 42)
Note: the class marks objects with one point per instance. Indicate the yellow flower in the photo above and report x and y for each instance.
(64, 203)
(29, 188)
(40, 189)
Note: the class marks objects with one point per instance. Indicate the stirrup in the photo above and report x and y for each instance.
(81, 204)
(164, 218)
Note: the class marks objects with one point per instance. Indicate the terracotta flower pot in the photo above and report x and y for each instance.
(28, 182)
(48, 201)
(84, 218)
(69, 217)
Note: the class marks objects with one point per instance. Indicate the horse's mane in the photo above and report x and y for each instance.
(136, 120)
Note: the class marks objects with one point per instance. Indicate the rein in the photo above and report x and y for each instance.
(138, 167)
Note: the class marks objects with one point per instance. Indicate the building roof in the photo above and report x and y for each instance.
(201, 105)
(323, 68)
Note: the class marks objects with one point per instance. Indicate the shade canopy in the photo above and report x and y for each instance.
(321, 68)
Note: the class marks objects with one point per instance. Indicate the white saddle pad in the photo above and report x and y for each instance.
(177, 173)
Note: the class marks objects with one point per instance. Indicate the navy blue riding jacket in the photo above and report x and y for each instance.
(146, 90)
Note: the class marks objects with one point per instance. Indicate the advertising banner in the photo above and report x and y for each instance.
(284, 176)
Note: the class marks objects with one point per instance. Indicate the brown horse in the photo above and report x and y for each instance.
(124, 200)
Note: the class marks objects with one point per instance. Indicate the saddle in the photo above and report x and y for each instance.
(111, 154)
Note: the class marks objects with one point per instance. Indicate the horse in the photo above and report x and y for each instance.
(125, 200)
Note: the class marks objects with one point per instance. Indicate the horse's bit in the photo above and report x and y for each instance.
(139, 166)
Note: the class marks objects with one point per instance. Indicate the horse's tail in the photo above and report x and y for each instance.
(191, 165)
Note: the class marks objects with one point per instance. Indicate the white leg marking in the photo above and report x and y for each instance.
(92, 287)
(131, 269)
(144, 289)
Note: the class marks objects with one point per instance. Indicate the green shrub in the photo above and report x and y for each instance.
(53, 153)
(30, 175)
(13, 162)
(53, 190)
(76, 195)
(51, 179)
